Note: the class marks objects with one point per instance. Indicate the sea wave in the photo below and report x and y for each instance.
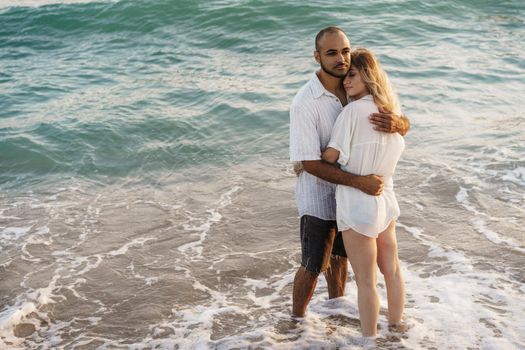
(5, 4)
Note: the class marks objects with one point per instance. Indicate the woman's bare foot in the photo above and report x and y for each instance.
(400, 327)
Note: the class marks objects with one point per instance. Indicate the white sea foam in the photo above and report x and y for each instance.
(26, 306)
(45, 295)
(460, 308)
(165, 206)
(442, 305)
(2, 216)
(9, 318)
(37, 3)
(516, 176)
(204, 225)
(462, 195)
(147, 280)
(28, 256)
(87, 262)
(12, 316)
(11, 234)
(136, 242)
(41, 236)
(480, 225)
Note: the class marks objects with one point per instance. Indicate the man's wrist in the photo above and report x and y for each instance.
(352, 180)
(402, 125)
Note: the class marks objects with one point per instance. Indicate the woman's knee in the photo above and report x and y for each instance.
(390, 270)
(366, 281)
(387, 245)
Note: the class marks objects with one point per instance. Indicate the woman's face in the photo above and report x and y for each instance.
(354, 85)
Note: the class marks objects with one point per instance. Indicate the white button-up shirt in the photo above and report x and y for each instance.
(313, 113)
(364, 151)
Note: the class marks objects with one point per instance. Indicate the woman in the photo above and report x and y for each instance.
(368, 222)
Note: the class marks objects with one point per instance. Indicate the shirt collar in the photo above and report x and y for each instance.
(368, 97)
(317, 87)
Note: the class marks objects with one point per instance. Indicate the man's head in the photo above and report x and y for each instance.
(332, 51)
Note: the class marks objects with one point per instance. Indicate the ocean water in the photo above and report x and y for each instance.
(146, 197)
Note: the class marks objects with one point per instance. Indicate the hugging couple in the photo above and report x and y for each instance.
(346, 137)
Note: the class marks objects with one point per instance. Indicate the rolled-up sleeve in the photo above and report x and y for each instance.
(304, 136)
(341, 136)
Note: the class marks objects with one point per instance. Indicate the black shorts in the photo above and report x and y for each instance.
(319, 240)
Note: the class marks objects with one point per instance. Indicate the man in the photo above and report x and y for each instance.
(312, 114)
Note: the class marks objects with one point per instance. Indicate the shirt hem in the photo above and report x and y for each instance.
(344, 228)
(306, 157)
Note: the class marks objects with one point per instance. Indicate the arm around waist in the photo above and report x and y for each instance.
(370, 184)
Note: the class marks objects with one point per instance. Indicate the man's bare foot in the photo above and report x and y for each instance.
(297, 318)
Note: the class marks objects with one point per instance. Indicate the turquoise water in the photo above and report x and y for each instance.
(131, 88)
(146, 142)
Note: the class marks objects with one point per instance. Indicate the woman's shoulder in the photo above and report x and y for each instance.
(364, 104)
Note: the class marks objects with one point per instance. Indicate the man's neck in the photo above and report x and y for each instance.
(332, 84)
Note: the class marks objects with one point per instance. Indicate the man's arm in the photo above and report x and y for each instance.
(369, 184)
(390, 123)
(305, 144)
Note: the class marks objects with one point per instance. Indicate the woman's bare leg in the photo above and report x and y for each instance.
(388, 261)
(362, 253)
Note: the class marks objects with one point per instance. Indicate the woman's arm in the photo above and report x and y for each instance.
(330, 155)
(328, 170)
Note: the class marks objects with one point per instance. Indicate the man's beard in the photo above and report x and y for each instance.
(332, 73)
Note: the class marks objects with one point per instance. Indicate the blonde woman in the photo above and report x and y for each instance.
(368, 222)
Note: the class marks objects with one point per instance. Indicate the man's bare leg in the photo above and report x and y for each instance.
(303, 289)
(336, 276)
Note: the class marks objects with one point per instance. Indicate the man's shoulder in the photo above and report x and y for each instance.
(304, 98)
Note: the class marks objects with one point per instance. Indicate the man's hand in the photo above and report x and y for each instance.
(385, 121)
(298, 168)
(369, 184)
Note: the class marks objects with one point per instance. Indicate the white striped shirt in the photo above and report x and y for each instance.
(313, 113)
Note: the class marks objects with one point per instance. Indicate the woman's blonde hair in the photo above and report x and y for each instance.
(376, 80)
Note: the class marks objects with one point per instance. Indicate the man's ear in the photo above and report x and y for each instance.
(317, 56)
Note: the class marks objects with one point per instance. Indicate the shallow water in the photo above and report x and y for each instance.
(147, 199)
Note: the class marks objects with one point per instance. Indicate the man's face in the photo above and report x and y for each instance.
(334, 54)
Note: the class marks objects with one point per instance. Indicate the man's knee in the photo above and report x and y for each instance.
(315, 265)
(338, 266)
(307, 274)
(317, 241)
(337, 260)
